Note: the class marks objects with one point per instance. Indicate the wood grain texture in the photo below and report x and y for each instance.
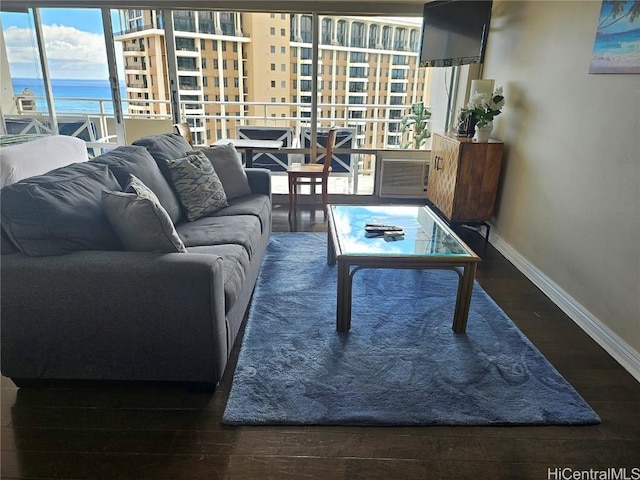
(463, 177)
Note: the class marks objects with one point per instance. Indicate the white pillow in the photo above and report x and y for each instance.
(29, 159)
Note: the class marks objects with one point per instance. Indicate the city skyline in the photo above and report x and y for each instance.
(67, 33)
(367, 71)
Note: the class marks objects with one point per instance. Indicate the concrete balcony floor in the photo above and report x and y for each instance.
(337, 185)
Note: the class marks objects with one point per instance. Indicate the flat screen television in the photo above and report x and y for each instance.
(454, 32)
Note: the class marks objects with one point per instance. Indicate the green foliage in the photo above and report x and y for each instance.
(484, 107)
(416, 127)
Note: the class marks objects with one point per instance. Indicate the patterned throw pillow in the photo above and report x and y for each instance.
(197, 185)
(140, 221)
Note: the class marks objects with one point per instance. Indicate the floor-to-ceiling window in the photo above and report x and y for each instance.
(234, 70)
(58, 68)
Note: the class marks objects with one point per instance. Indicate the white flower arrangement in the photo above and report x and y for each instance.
(484, 107)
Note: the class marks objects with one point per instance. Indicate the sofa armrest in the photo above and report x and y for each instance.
(259, 180)
(114, 315)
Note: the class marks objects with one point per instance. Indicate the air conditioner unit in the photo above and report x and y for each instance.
(403, 174)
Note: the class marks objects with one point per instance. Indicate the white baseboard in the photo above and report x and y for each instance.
(620, 350)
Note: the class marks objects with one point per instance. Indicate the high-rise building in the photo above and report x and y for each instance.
(239, 68)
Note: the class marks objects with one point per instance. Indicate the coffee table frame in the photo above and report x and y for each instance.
(348, 265)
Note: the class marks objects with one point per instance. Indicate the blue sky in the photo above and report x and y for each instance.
(74, 43)
(83, 19)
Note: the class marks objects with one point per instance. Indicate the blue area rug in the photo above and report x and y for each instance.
(400, 364)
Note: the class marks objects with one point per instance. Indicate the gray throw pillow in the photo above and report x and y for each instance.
(132, 160)
(140, 221)
(228, 165)
(197, 185)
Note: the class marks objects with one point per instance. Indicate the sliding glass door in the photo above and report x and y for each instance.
(59, 68)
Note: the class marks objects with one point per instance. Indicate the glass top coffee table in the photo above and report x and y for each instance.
(428, 243)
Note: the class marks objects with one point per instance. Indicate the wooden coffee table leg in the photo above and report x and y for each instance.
(463, 299)
(331, 249)
(343, 311)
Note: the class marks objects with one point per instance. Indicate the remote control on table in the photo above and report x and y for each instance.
(371, 227)
(385, 233)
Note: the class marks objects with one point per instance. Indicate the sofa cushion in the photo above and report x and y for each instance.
(25, 160)
(254, 204)
(197, 185)
(61, 211)
(235, 264)
(140, 221)
(228, 165)
(6, 245)
(244, 230)
(131, 160)
(163, 147)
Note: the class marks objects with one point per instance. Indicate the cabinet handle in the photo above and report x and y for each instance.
(437, 163)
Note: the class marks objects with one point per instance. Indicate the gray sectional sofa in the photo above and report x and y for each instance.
(79, 301)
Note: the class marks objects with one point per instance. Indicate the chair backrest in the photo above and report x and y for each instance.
(328, 151)
(341, 163)
(184, 130)
(276, 162)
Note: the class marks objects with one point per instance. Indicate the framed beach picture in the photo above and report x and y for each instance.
(617, 45)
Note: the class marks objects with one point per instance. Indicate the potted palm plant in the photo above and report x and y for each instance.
(416, 125)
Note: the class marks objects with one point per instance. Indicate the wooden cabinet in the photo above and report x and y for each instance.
(463, 177)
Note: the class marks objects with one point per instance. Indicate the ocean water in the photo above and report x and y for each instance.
(67, 94)
(622, 44)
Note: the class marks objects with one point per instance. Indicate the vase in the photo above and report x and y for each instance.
(483, 133)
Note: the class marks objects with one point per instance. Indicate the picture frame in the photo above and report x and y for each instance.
(616, 46)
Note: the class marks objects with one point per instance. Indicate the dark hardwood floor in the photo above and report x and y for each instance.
(133, 431)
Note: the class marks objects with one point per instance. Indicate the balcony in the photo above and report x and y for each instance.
(185, 48)
(216, 118)
(135, 29)
(184, 24)
(206, 26)
(189, 87)
(188, 70)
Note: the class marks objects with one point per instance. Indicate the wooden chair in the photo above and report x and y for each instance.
(185, 130)
(311, 173)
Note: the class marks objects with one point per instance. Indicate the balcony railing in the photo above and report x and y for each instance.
(216, 120)
(101, 108)
(135, 29)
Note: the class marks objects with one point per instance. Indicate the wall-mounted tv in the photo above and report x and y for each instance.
(454, 32)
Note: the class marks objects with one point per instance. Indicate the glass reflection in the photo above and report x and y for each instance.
(424, 234)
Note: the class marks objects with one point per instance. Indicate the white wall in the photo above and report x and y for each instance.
(569, 204)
